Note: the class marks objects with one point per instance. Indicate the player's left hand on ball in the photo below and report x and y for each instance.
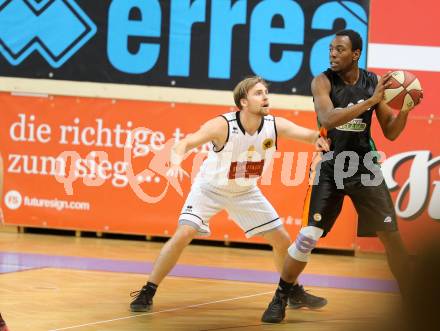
(176, 171)
(322, 144)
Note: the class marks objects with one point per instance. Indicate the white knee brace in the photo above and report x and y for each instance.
(305, 242)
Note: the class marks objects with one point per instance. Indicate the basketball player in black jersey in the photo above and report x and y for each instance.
(345, 98)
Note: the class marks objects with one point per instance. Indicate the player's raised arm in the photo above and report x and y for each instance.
(214, 130)
(289, 130)
(329, 116)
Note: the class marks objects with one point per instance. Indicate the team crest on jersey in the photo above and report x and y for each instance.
(267, 143)
(355, 125)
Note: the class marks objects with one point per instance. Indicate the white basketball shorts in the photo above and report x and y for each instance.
(250, 210)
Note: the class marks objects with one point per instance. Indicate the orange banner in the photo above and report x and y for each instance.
(68, 164)
(100, 165)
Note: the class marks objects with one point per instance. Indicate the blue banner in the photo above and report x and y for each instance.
(210, 44)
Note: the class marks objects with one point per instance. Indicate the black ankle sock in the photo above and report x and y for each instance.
(284, 288)
(151, 288)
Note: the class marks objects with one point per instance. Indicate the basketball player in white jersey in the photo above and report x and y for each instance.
(243, 143)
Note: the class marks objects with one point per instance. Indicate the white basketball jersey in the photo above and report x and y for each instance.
(240, 162)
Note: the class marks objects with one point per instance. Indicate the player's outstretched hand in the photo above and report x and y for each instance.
(322, 144)
(176, 171)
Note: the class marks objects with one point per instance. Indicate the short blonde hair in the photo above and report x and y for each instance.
(243, 87)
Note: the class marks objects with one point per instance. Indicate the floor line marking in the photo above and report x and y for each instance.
(160, 311)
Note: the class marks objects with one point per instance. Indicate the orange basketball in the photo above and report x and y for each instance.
(404, 92)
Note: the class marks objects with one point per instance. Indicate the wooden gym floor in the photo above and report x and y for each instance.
(50, 282)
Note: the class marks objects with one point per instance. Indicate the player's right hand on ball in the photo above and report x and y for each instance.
(379, 91)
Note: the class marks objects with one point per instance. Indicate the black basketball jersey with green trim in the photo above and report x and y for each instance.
(354, 135)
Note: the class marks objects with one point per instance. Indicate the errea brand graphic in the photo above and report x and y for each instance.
(56, 29)
(208, 44)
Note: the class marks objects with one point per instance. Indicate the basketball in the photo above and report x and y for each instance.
(404, 92)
